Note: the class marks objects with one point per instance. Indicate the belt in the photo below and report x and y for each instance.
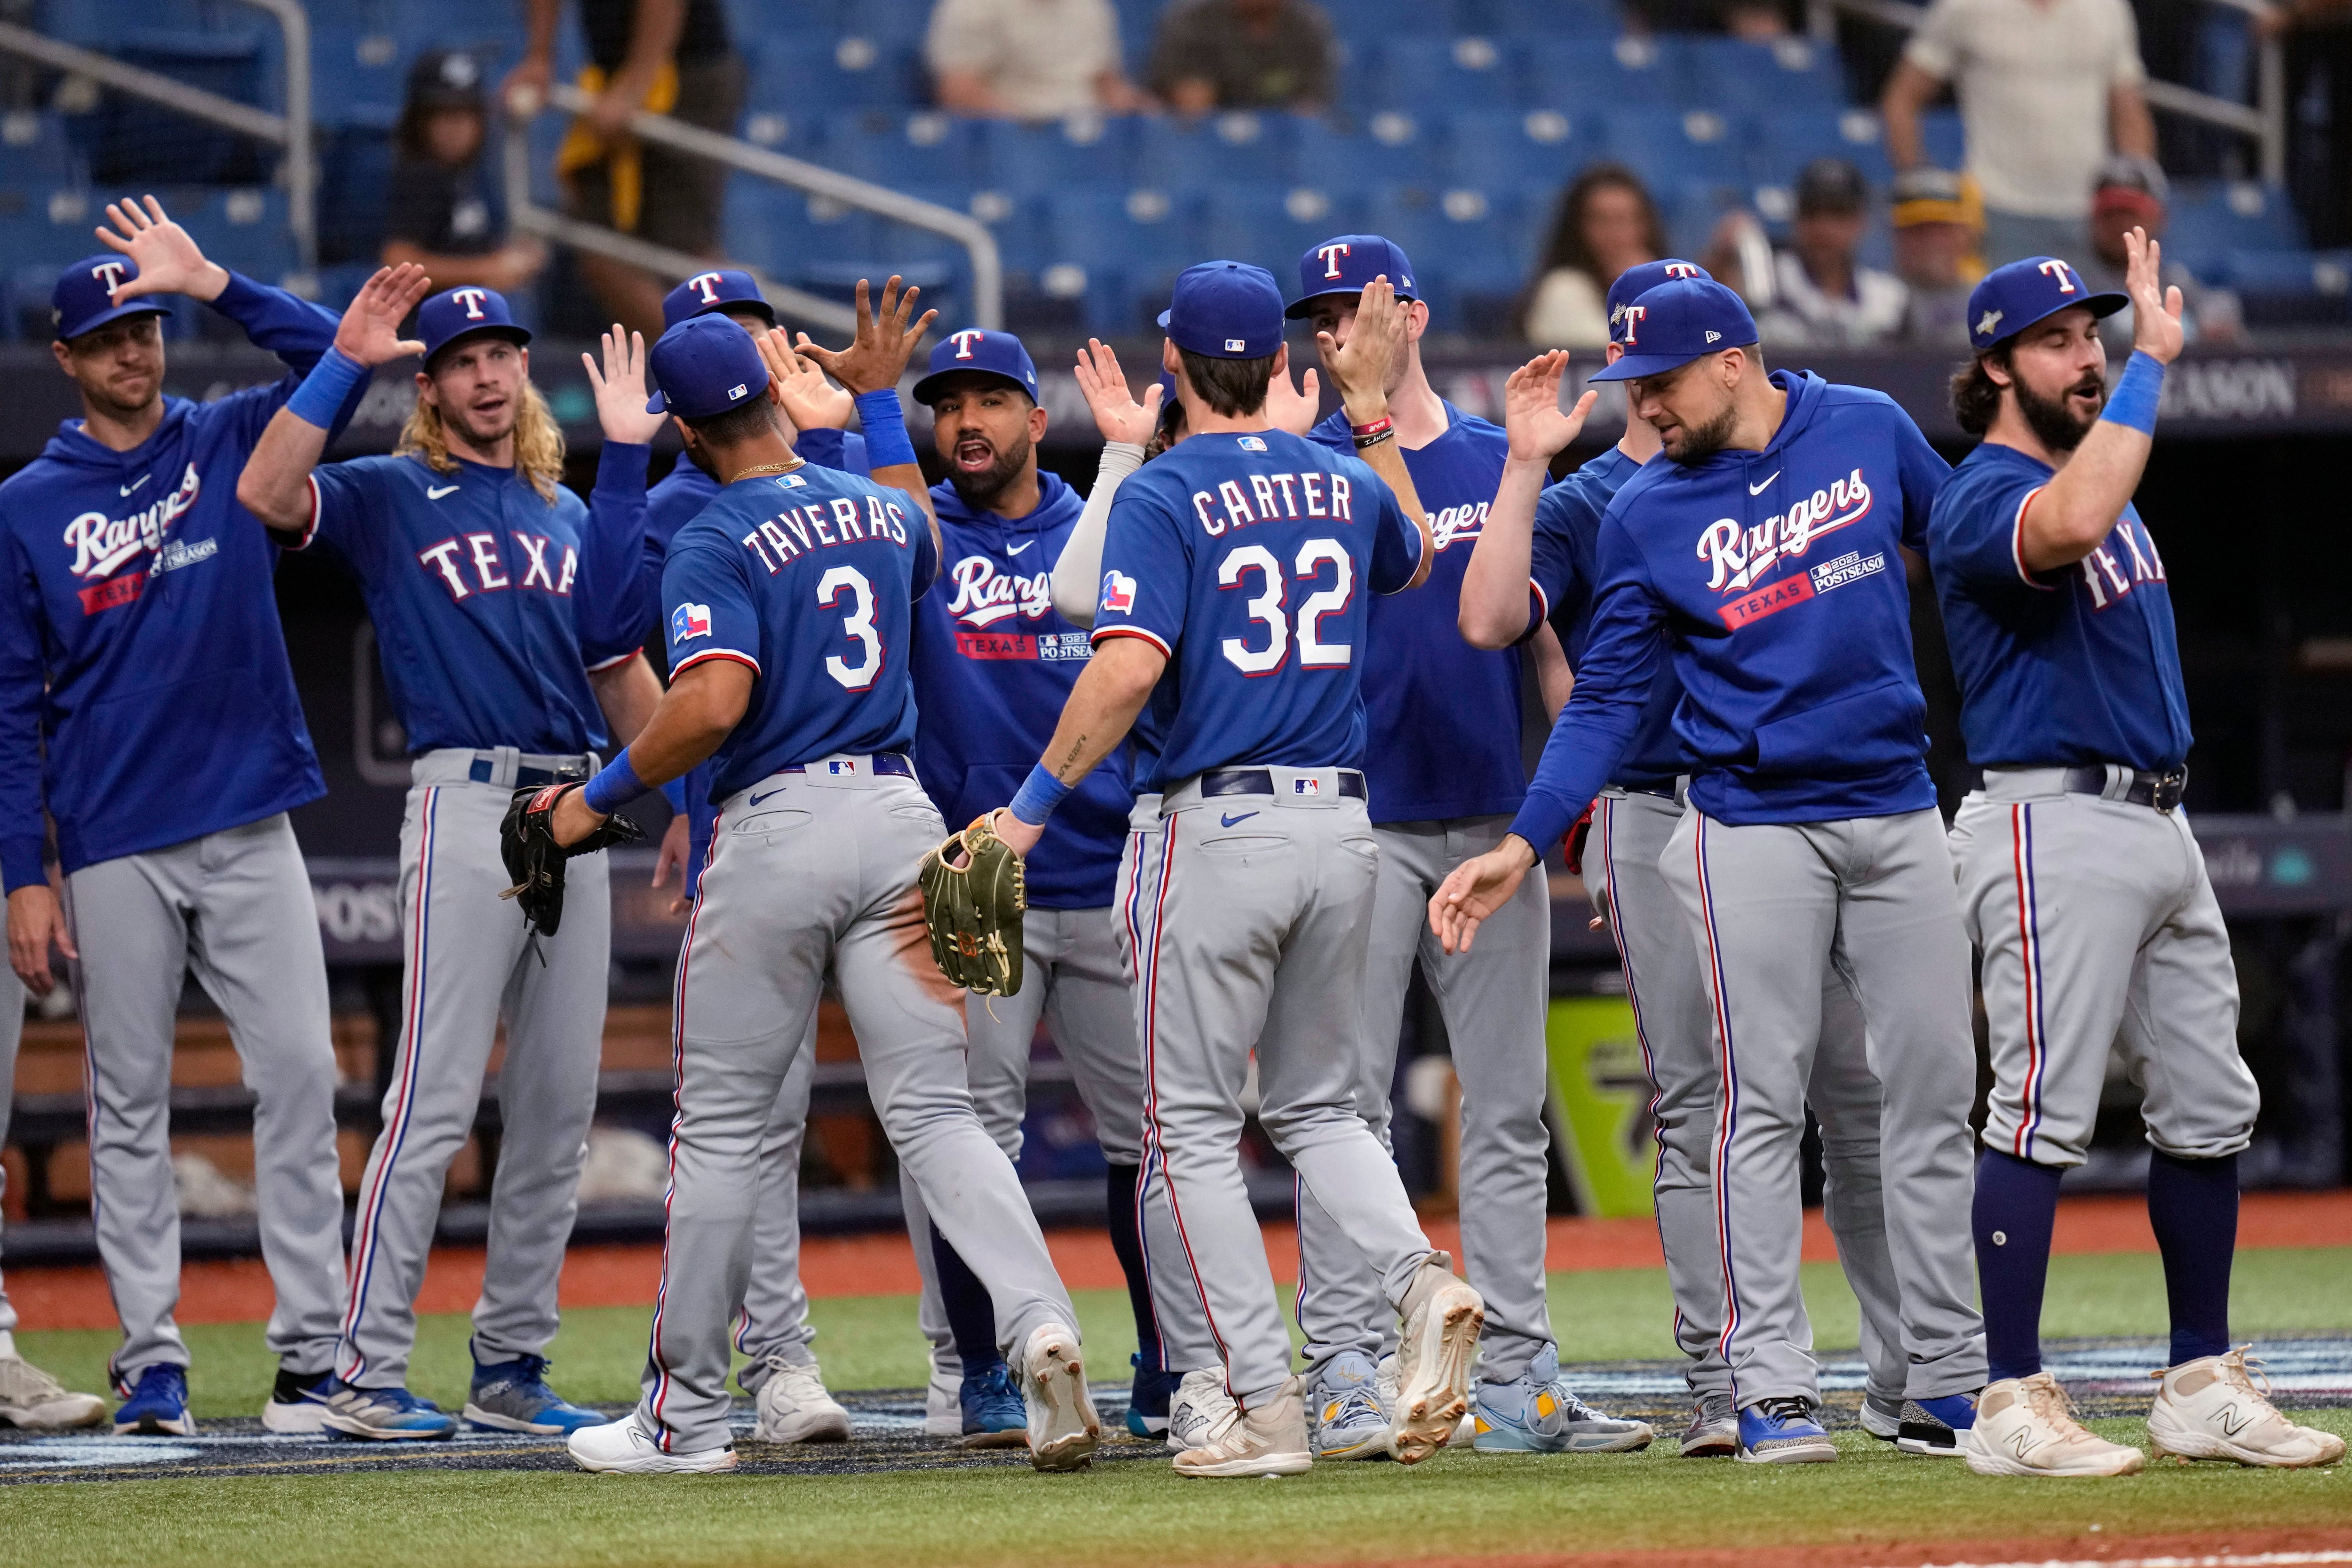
(884, 762)
(2160, 791)
(484, 770)
(1666, 791)
(1258, 781)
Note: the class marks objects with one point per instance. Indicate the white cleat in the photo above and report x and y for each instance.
(625, 1447)
(2026, 1426)
(1443, 1319)
(32, 1400)
(1063, 1428)
(1200, 1410)
(944, 1400)
(2213, 1408)
(1268, 1440)
(794, 1406)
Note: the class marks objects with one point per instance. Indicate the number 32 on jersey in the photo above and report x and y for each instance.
(1321, 570)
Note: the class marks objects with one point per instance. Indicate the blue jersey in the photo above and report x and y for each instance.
(491, 603)
(1448, 712)
(993, 665)
(1246, 560)
(2075, 665)
(146, 698)
(1775, 580)
(807, 578)
(1561, 572)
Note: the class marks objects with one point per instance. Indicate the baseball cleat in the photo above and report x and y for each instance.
(1882, 1417)
(157, 1406)
(1443, 1319)
(1783, 1432)
(1063, 1430)
(993, 1416)
(943, 1401)
(1200, 1409)
(1269, 1439)
(795, 1407)
(1146, 1400)
(32, 1400)
(386, 1414)
(2213, 1408)
(513, 1396)
(625, 1447)
(1537, 1413)
(2026, 1426)
(1714, 1429)
(298, 1402)
(1345, 1420)
(1940, 1429)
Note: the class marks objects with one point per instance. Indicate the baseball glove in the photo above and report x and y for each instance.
(535, 861)
(973, 911)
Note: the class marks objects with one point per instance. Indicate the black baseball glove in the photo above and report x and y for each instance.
(535, 861)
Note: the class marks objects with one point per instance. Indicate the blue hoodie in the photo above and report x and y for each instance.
(1775, 581)
(144, 692)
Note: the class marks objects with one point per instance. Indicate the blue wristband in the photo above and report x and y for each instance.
(2137, 391)
(1039, 793)
(674, 793)
(887, 445)
(615, 786)
(322, 395)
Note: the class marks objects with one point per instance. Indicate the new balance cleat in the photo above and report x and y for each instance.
(1345, 1420)
(1537, 1413)
(298, 1402)
(1940, 1429)
(513, 1396)
(993, 1416)
(157, 1406)
(1200, 1409)
(1269, 1439)
(32, 1400)
(795, 1406)
(2026, 1426)
(1443, 1319)
(2214, 1408)
(625, 1447)
(1146, 1400)
(386, 1416)
(1783, 1432)
(1714, 1429)
(1062, 1427)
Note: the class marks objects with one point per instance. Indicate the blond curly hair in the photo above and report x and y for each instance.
(538, 439)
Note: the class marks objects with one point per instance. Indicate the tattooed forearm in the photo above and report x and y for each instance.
(1072, 767)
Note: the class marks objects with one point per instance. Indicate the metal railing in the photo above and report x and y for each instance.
(2263, 120)
(987, 264)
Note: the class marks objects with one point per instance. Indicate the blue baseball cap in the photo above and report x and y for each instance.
(974, 352)
(2011, 298)
(455, 314)
(1636, 281)
(83, 299)
(1225, 311)
(1345, 264)
(1677, 321)
(709, 291)
(705, 366)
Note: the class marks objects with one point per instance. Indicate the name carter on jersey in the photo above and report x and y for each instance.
(1234, 504)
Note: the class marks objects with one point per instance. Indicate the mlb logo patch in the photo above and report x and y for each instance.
(790, 482)
(689, 621)
(1252, 443)
(1236, 345)
(1306, 786)
(1118, 593)
(842, 767)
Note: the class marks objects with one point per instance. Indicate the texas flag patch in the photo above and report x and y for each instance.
(1118, 593)
(689, 621)
(1306, 786)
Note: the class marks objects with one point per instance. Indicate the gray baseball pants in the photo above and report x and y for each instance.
(2099, 931)
(1776, 907)
(12, 1034)
(1258, 935)
(235, 908)
(471, 960)
(774, 1322)
(1493, 998)
(819, 874)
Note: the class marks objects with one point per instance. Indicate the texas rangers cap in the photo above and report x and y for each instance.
(2013, 297)
(83, 299)
(1636, 281)
(1675, 322)
(997, 355)
(727, 288)
(704, 366)
(470, 312)
(1345, 264)
(1225, 311)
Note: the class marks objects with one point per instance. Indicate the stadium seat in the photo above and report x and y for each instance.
(1275, 228)
(780, 230)
(1585, 75)
(2289, 288)
(1668, 147)
(1534, 150)
(1221, 150)
(924, 148)
(1945, 142)
(354, 179)
(2209, 217)
(825, 73)
(1520, 20)
(1424, 72)
(1127, 245)
(36, 147)
(356, 73)
(1393, 147)
(1463, 242)
(1085, 149)
(135, 143)
(1787, 141)
(1734, 75)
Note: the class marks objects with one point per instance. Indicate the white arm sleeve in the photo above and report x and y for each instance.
(1078, 576)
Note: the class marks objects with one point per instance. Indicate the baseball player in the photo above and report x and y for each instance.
(29, 1397)
(146, 705)
(789, 603)
(1445, 779)
(2079, 878)
(504, 608)
(1765, 555)
(1534, 562)
(1233, 567)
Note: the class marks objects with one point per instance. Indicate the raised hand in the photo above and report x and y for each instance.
(2156, 309)
(1295, 409)
(1532, 416)
(620, 388)
(878, 356)
(370, 331)
(1374, 343)
(1475, 890)
(799, 388)
(170, 261)
(1117, 414)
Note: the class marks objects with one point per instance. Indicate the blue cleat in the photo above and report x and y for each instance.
(157, 1406)
(1146, 1401)
(1537, 1413)
(1942, 1428)
(1783, 1432)
(1345, 1417)
(513, 1396)
(386, 1414)
(995, 1415)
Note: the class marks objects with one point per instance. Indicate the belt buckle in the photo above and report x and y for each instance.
(2168, 790)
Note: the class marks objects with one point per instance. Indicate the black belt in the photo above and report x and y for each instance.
(1260, 782)
(1662, 791)
(2161, 790)
(884, 762)
(484, 770)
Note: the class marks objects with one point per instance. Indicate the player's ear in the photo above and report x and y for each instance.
(1170, 360)
(427, 392)
(1282, 360)
(686, 434)
(1037, 422)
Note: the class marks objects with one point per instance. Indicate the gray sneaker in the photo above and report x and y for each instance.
(32, 1400)
(1714, 1429)
(1345, 1420)
(1200, 1409)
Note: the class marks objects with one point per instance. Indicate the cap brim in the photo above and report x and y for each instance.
(1305, 307)
(2101, 305)
(1164, 318)
(146, 305)
(1632, 367)
(927, 389)
(518, 336)
(758, 308)
(657, 404)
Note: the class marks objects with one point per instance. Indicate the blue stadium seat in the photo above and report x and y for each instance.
(36, 147)
(1423, 71)
(1787, 143)
(2209, 217)
(899, 149)
(1734, 75)
(782, 231)
(1275, 228)
(1946, 143)
(1130, 246)
(1087, 150)
(1393, 147)
(1527, 19)
(244, 229)
(1670, 146)
(822, 73)
(135, 143)
(356, 72)
(1463, 242)
(354, 177)
(1221, 150)
(2289, 288)
(1017, 220)
(1361, 19)
(1537, 150)
(1582, 75)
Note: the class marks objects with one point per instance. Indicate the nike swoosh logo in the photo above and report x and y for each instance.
(1016, 550)
(143, 479)
(768, 796)
(435, 492)
(1244, 817)
(1758, 489)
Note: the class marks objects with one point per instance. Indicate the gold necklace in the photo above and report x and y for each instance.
(757, 469)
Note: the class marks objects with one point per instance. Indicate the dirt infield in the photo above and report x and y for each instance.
(2253, 1547)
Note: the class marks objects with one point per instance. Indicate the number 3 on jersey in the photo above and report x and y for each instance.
(1267, 607)
(857, 625)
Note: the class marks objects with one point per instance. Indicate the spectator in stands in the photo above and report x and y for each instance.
(1757, 21)
(2132, 192)
(1605, 223)
(445, 213)
(1938, 224)
(669, 57)
(1243, 54)
(1821, 296)
(2047, 88)
(1028, 59)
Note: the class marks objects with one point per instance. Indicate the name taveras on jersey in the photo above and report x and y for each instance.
(985, 596)
(825, 525)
